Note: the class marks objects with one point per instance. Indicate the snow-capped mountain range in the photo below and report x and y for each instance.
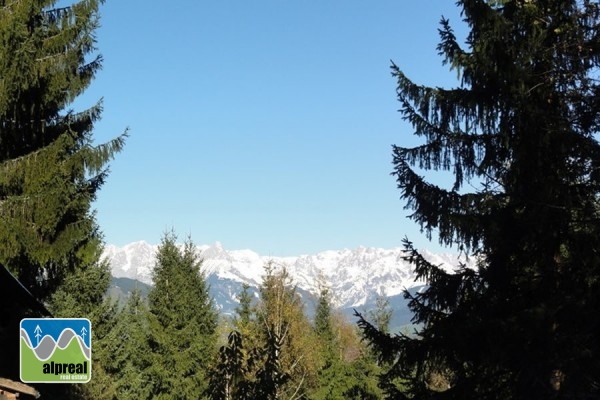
(354, 276)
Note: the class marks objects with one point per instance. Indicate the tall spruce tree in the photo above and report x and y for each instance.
(50, 171)
(333, 376)
(244, 312)
(522, 128)
(182, 323)
(323, 326)
(128, 350)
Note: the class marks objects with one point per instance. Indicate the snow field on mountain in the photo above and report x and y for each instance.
(352, 275)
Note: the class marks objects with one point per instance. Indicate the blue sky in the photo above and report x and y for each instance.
(265, 125)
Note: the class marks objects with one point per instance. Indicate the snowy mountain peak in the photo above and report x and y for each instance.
(353, 275)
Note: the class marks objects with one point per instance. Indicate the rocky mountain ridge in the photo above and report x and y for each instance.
(355, 276)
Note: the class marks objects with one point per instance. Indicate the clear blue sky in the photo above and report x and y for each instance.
(261, 124)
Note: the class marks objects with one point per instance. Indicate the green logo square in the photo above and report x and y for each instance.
(56, 350)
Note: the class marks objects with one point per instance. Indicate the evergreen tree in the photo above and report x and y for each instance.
(244, 311)
(323, 326)
(182, 323)
(50, 171)
(521, 128)
(233, 373)
(229, 377)
(82, 293)
(333, 374)
(347, 370)
(128, 350)
(382, 315)
(362, 378)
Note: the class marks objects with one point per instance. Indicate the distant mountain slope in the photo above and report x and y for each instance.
(224, 292)
(121, 288)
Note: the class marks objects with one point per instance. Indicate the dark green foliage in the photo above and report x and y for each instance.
(323, 326)
(49, 169)
(271, 376)
(126, 350)
(522, 129)
(82, 295)
(228, 379)
(341, 375)
(102, 385)
(331, 374)
(244, 311)
(182, 322)
(362, 379)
